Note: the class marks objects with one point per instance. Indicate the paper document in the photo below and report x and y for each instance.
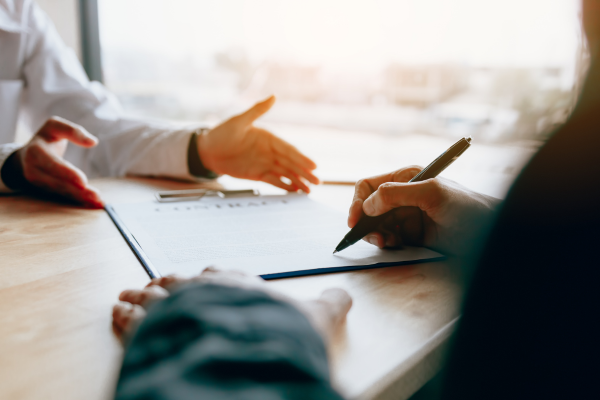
(271, 236)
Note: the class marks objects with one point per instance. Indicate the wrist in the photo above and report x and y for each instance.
(203, 148)
(197, 159)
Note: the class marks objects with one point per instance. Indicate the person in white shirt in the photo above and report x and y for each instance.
(43, 84)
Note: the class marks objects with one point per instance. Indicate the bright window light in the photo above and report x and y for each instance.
(383, 77)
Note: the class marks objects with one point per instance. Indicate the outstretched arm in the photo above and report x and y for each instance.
(58, 86)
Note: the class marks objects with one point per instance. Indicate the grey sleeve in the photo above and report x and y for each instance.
(216, 342)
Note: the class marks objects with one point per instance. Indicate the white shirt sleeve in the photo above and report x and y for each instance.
(56, 84)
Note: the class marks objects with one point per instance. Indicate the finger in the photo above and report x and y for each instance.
(286, 150)
(389, 195)
(376, 239)
(57, 128)
(126, 318)
(338, 302)
(51, 164)
(169, 282)
(328, 311)
(144, 297)
(296, 181)
(407, 227)
(209, 270)
(362, 190)
(256, 111)
(88, 196)
(365, 187)
(355, 213)
(276, 181)
(389, 238)
(92, 197)
(214, 275)
(231, 278)
(296, 169)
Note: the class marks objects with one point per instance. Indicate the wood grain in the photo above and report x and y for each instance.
(63, 267)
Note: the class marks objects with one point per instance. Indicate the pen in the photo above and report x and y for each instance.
(368, 224)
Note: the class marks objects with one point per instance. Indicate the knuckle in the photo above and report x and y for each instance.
(435, 189)
(144, 296)
(360, 183)
(31, 154)
(386, 192)
(406, 173)
(361, 187)
(54, 120)
(356, 204)
(34, 148)
(165, 280)
(435, 186)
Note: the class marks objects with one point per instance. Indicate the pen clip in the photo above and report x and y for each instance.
(172, 196)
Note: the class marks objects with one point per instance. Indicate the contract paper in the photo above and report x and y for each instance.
(271, 236)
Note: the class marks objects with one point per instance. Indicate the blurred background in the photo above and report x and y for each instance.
(362, 87)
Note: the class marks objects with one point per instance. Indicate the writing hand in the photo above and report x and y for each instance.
(436, 213)
(42, 165)
(239, 149)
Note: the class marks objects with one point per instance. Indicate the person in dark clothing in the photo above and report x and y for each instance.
(224, 335)
(530, 318)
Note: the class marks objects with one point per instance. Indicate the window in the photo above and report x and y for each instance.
(363, 87)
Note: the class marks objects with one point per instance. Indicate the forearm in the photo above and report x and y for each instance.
(208, 341)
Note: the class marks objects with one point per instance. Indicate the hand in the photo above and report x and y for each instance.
(42, 165)
(436, 213)
(239, 149)
(326, 313)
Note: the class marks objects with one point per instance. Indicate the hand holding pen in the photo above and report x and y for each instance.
(436, 213)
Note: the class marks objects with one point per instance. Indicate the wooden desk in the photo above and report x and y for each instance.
(62, 269)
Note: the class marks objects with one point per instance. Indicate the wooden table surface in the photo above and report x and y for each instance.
(63, 267)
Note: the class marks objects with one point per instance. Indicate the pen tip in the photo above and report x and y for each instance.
(335, 251)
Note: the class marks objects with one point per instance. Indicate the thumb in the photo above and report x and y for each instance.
(256, 111)
(57, 128)
(327, 313)
(338, 302)
(392, 195)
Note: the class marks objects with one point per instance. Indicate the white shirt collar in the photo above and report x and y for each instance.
(8, 23)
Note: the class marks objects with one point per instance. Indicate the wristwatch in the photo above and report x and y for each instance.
(195, 165)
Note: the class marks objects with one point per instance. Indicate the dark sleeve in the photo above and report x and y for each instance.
(530, 322)
(216, 342)
(195, 165)
(12, 173)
